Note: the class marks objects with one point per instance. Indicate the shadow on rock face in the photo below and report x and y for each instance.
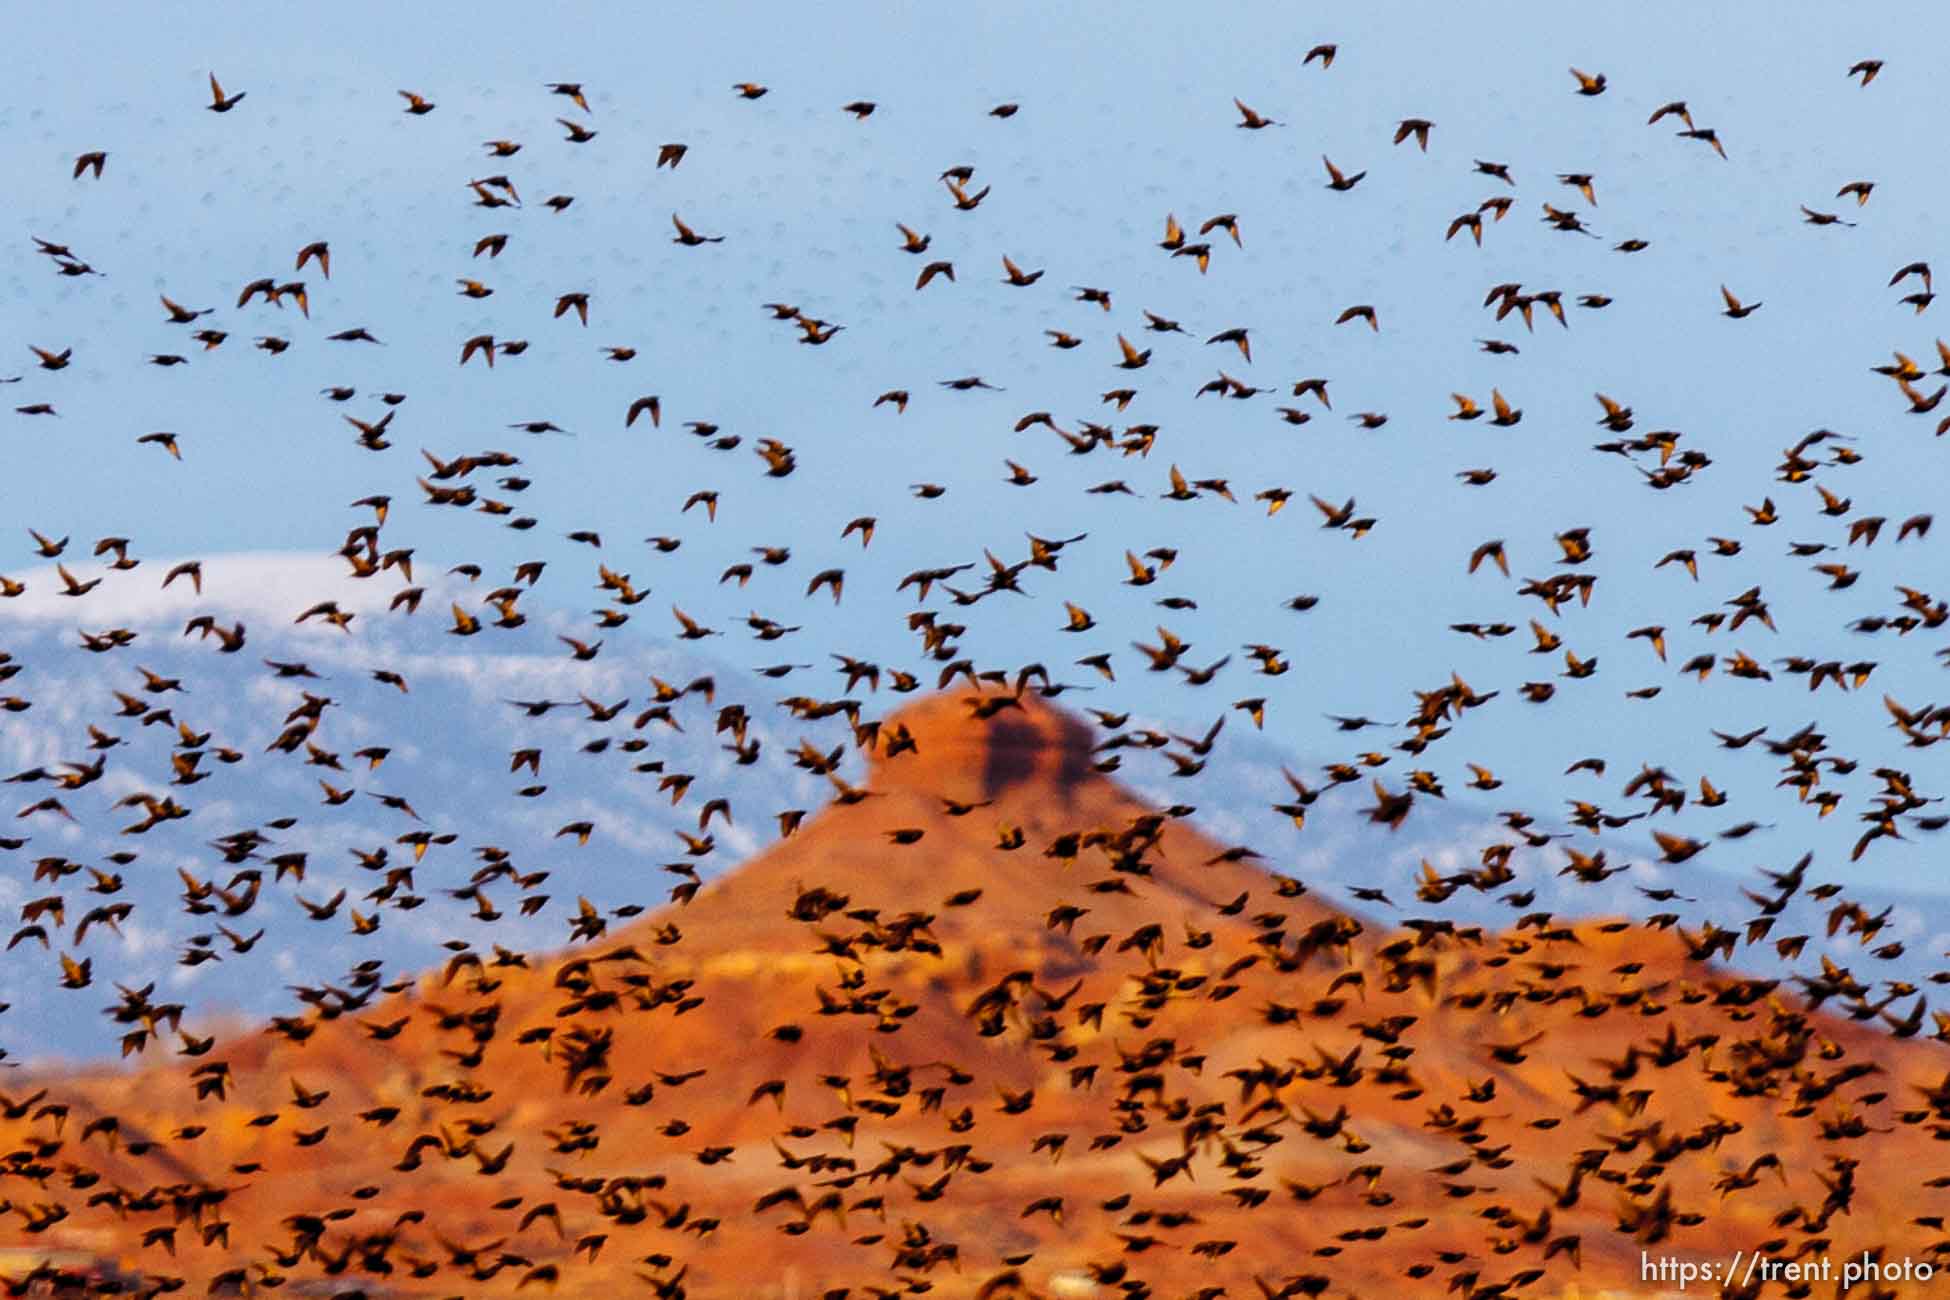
(1025, 743)
(1043, 745)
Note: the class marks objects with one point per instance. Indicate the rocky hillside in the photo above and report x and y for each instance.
(987, 1024)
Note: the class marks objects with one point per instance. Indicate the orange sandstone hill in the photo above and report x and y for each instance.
(990, 1026)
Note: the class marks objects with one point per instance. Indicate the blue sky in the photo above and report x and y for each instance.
(1120, 124)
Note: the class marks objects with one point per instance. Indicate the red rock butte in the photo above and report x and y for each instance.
(1026, 742)
(1058, 1044)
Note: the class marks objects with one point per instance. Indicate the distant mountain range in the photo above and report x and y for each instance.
(451, 734)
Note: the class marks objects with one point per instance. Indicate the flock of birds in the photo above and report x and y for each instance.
(148, 727)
